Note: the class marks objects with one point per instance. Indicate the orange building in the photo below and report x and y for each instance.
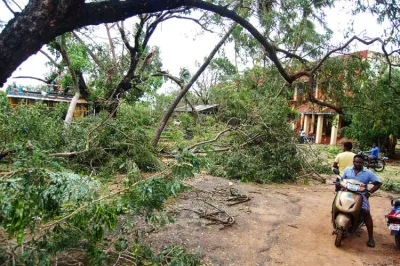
(321, 122)
(18, 96)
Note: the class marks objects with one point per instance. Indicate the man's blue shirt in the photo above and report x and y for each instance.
(374, 151)
(365, 176)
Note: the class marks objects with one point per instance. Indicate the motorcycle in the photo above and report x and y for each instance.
(378, 164)
(393, 220)
(346, 208)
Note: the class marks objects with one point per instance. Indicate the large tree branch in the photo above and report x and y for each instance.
(220, 134)
(173, 78)
(125, 40)
(134, 55)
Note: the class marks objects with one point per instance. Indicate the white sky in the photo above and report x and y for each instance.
(181, 45)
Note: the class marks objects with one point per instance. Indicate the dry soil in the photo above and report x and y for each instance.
(279, 225)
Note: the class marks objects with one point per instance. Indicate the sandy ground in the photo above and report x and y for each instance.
(279, 225)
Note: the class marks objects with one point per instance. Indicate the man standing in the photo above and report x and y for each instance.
(360, 173)
(302, 136)
(374, 153)
(345, 158)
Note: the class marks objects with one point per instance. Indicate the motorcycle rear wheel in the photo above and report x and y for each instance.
(378, 167)
(339, 237)
(397, 239)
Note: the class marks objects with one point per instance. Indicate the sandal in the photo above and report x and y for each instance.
(371, 243)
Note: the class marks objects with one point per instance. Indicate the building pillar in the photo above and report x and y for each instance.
(334, 130)
(312, 124)
(293, 125)
(306, 124)
(301, 121)
(320, 123)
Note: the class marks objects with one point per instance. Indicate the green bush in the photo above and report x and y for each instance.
(391, 185)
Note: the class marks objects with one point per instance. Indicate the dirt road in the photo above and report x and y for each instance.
(279, 225)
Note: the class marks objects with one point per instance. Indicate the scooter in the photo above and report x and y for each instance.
(393, 220)
(346, 208)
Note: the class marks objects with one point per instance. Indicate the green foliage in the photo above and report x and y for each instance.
(186, 120)
(173, 256)
(333, 150)
(297, 25)
(379, 110)
(267, 163)
(176, 256)
(39, 190)
(27, 127)
(161, 103)
(184, 75)
(29, 196)
(264, 150)
(187, 163)
(78, 56)
(32, 197)
(143, 64)
(224, 66)
(318, 165)
(118, 141)
(391, 185)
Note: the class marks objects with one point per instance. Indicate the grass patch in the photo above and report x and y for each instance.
(391, 185)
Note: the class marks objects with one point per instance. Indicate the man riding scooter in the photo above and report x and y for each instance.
(362, 174)
(374, 153)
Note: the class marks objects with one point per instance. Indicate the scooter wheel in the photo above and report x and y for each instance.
(339, 237)
(397, 239)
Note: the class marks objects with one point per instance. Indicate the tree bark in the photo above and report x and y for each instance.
(75, 80)
(71, 109)
(183, 91)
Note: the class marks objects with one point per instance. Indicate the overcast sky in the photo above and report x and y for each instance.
(181, 45)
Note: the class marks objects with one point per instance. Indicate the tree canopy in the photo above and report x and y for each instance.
(41, 21)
